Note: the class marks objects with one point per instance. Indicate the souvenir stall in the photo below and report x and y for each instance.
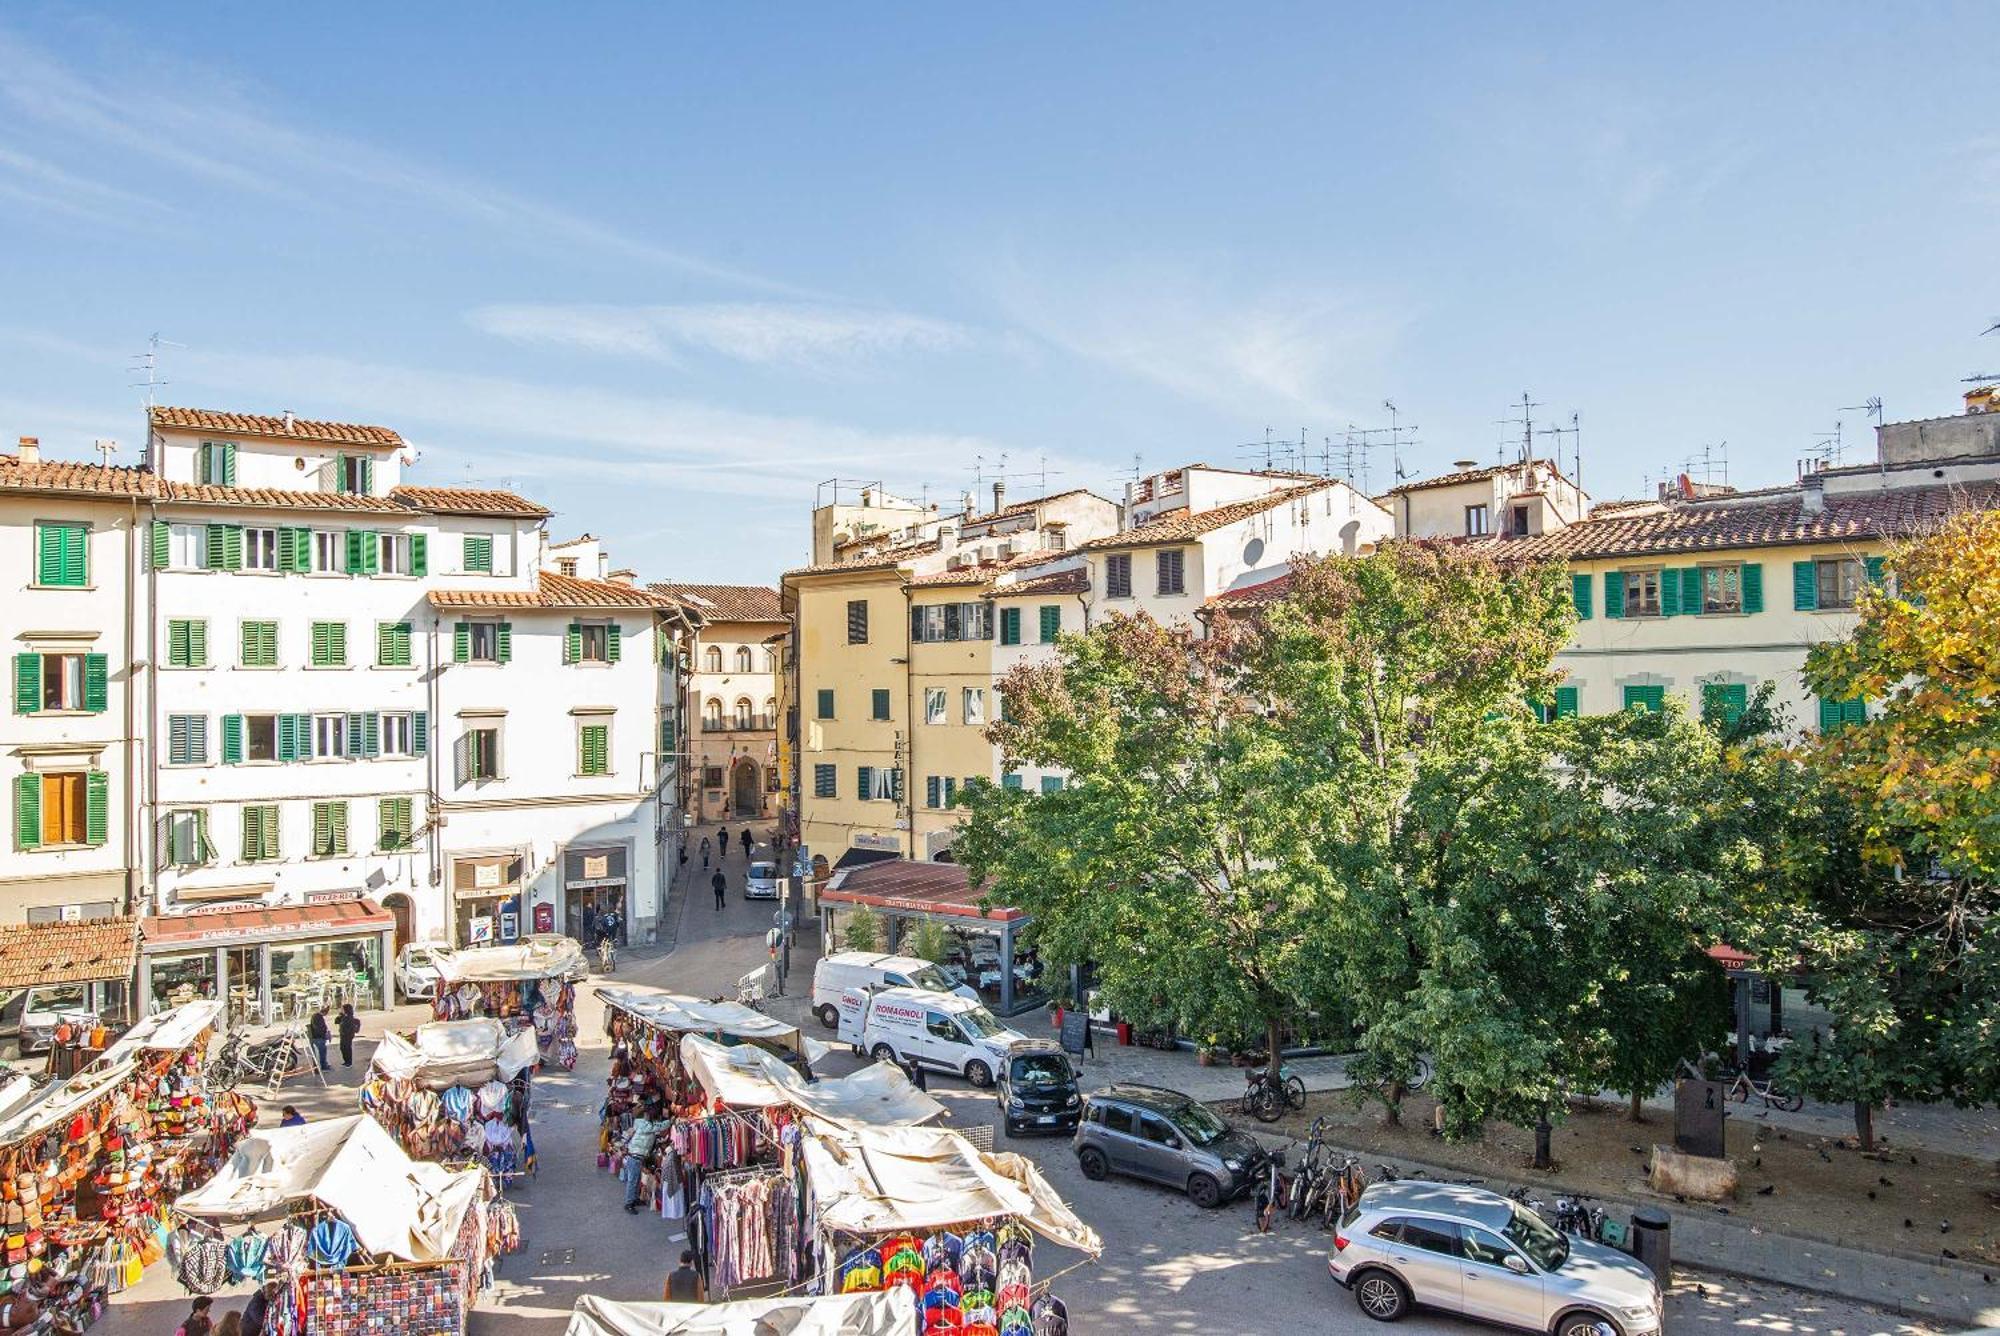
(924, 1209)
(85, 1164)
(885, 1313)
(361, 1238)
(531, 984)
(457, 1092)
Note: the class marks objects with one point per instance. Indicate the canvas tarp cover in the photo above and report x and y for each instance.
(744, 1076)
(443, 1054)
(54, 1105)
(878, 1180)
(169, 1031)
(694, 1015)
(879, 1313)
(407, 1208)
(545, 956)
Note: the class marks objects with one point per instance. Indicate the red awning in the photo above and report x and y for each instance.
(1728, 957)
(257, 922)
(912, 887)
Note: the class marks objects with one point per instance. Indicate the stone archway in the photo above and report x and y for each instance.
(746, 796)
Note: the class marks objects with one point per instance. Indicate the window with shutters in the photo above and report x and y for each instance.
(260, 738)
(1052, 783)
(393, 645)
(946, 622)
(1011, 780)
(1170, 572)
(187, 547)
(1051, 622)
(258, 644)
(64, 808)
(1010, 626)
(187, 643)
(1642, 593)
(329, 552)
(881, 783)
(1835, 715)
(972, 702)
(482, 753)
(482, 642)
(260, 549)
(1056, 537)
(1724, 702)
(355, 474)
(826, 781)
(260, 833)
(1651, 699)
(592, 643)
(1118, 575)
(393, 554)
(62, 554)
(936, 703)
(329, 644)
(215, 463)
(394, 823)
(186, 838)
(59, 683)
(395, 739)
(187, 739)
(593, 749)
(1722, 588)
(1837, 582)
(857, 621)
(61, 810)
(328, 737)
(824, 703)
(329, 829)
(878, 703)
(478, 554)
(1476, 522)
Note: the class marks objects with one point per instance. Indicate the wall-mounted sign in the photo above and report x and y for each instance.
(885, 843)
(486, 875)
(596, 867)
(331, 897)
(480, 930)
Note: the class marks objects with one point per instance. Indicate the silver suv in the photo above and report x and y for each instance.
(1464, 1250)
(1159, 1134)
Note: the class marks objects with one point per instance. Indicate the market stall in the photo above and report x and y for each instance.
(361, 1237)
(457, 1091)
(529, 985)
(889, 1313)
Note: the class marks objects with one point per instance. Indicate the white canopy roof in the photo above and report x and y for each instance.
(543, 956)
(409, 1208)
(53, 1105)
(169, 1031)
(874, 1180)
(456, 1053)
(878, 1313)
(694, 1015)
(747, 1077)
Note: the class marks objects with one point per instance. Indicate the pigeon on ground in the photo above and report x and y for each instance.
(1884, 1181)
(1773, 1187)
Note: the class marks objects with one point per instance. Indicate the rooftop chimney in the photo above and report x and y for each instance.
(1463, 464)
(31, 450)
(1812, 493)
(288, 419)
(999, 496)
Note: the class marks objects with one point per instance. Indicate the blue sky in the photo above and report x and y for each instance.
(667, 268)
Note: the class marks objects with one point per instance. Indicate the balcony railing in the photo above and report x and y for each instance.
(756, 723)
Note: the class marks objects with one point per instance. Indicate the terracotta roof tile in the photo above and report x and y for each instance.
(210, 494)
(281, 428)
(1073, 581)
(725, 603)
(61, 475)
(882, 560)
(1250, 598)
(1014, 508)
(1474, 475)
(50, 953)
(469, 501)
(987, 571)
(552, 591)
(1180, 526)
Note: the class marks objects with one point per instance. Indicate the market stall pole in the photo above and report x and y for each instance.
(457, 1091)
(531, 984)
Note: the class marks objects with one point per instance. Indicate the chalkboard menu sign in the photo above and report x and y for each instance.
(1075, 1031)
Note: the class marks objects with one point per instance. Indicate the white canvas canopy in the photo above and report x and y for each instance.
(168, 1031)
(879, 1313)
(545, 956)
(53, 1105)
(744, 1076)
(693, 1015)
(443, 1054)
(876, 1180)
(407, 1208)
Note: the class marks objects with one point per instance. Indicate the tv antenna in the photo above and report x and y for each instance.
(105, 447)
(1872, 406)
(148, 365)
(1711, 462)
(1991, 378)
(1526, 422)
(1989, 329)
(1575, 433)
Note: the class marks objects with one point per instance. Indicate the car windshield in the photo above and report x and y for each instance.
(1199, 1123)
(1041, 1071)
(763, 871)
(933, 978)
(420, 958)
(1537, 1238)
(979, 1023)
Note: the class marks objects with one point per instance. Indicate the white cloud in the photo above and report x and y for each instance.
(760, 333)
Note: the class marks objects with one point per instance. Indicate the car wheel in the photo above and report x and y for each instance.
(1204, 1192)
(1586, 1324)
(882, 1053)
(1381, 1296)
(1095, 1167)
(829, 1017)
(979, 1074)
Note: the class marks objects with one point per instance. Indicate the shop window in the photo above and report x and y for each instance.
(329, 838)
(181, 977)
(310, 975)
(1118, 575)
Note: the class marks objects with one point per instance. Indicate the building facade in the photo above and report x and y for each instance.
(731, 702)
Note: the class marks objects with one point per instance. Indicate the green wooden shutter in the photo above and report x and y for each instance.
(232, 739)
(27, 683)
(420, 732)
(96, 807)
(355, 556)
(161, 544)
(1010, 626)
(371, 734)
(504, 643)
(1724, 701)
(229, 464)
(318, 652)
(232, 547)
(177, 643)
(76, 555)
(1873, 567)
(461, 642)
(299, 555)
(1692, 601)
(355, 731)
(1051, 623)
(879, 702)
(1652, 699)
(573, 644)
(1566, 702)
(368, 476)
(1829, 714)
(212, 546)
(322, 828)
(337, 643)
(1805, 586)
(197, 643)
(1670, 593)
(96, 682)
(27, 811)
(1614, 593)
(1753, 586)
(864, 780)
(288, 737)
(612, 635)
(48, 554)
(479, 553)
(1579, 594)
(371, 552)
(420, 557)
(933, 791)
(1854, 711)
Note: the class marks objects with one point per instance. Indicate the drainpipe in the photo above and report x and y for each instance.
(128, 746)
(910, 775)
(434, 819)
(148, 845)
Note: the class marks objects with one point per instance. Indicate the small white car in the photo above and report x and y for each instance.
(416, 972)
(761, 882)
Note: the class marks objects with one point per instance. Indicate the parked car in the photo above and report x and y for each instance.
(848, 972)
(761, 882)
(28, 1018)
(416, 972)
(941, 1031)
(1465, 1250)
(1036, 1088)
(1161, 1135)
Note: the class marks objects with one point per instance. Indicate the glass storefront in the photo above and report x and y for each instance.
(973, 956)
(265, 972)
(184, 976)
(306, 976)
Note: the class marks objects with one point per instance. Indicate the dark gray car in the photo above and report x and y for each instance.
(1163, 1136)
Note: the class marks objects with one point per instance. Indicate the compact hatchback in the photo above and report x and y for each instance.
(761, 882)
(1154, 1133)
(1036, 1088)
(1464, 1250)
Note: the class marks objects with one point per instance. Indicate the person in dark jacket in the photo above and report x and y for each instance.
(722, 844)
(291, 1117)
(347, 1025)
(721, 884)
(317, 1031)
(255, 1311)
(748, 842)
(684, 1286)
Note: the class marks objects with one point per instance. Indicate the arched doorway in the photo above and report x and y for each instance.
(744, 795)
(398, 904)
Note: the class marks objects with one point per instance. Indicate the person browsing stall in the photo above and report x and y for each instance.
(646, 1128)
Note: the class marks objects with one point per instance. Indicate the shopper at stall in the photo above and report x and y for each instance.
(292, 1117)
(231, 1325)
(720, 884)
(348, 1025)
(646, 1128)
(196, 1322)
(317, 1031)
(684, 1286)
(259, 1308)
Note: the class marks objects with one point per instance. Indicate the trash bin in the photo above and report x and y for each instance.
(1652, 1242)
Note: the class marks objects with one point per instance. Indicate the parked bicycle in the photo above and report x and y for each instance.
(1266, 1098)
(1745, 1086)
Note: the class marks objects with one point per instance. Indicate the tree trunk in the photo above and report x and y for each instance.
(1392, 1104)
(1638, 1107)
(1864, 1124)
(1543, 1134)
(1276, 1047)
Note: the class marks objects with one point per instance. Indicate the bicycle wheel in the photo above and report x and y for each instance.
(1420, 1077)
(1785, 1103)
(1270, 1104)
(1295, 1092)
(1738, 1091)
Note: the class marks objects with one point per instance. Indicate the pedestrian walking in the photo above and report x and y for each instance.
(231, 1325)
(747, 842)
(704, 853)
(196, 1322)
(347, 1026)
(721, 884)
(915, 1071)
(722, 844)
(259, 1308)
(684, 1286)
(317, 1031)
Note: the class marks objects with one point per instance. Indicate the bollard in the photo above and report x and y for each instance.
(1652, 1242)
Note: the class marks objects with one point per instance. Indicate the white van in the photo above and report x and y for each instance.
(850, 971)
(941, 1031)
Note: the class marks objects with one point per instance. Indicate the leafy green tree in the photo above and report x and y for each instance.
(861, 929)
(929, 941)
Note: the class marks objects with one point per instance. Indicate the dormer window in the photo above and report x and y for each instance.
(566, 566)
(1517, 521)
(1475, 522)
(354, 475)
